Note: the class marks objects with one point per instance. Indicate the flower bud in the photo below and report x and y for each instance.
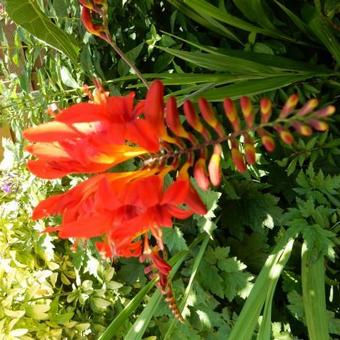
(172, 119)
(193, 119)
(201, 174)
(289, 106)
(250, 153)
(308, 107)
(266, 110)
(326, 111)
(238, 160)
(210, 116)
(231, 113)
(247, 110)
(214, 167)
(285, 135)
(318, 125)
(266, 139)
(302, 129)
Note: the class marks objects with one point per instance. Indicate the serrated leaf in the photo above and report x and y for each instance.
(211, 279)
(174, 240)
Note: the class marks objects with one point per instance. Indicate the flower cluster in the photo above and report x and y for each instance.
(126, 209)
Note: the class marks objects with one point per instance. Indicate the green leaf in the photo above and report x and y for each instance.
(67, 78)
(255, 11)
(313, 293)
(132, 55)
(27, 14)
(174, 240)
(296, 20)
(207, 10)
(207, 22)
(325, 34)
(139, 327)
(262, 289)
(220, 62)
(188, 289)
(251, 87)
(119, 320)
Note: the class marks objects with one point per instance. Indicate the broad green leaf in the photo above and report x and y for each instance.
(313, 293)
(27, 14)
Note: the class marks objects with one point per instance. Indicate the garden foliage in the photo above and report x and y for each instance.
(253, 251)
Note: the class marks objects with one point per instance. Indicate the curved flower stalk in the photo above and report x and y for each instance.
(94, 10)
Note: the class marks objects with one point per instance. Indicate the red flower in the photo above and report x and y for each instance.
(121, 206)
(90, 137)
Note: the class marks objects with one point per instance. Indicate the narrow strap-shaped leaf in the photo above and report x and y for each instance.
(220, 62)
(251, 87)
(119, 320)
(206, 9)
(266, 323)
(313, 293)
(271, 271)
(271, 61)
(325, 34)
(195, 267)
(209, 23)
(28, 15)
(300, 24)
(254, 11)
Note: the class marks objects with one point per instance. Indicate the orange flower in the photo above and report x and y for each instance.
(116, 206)
(90, 137)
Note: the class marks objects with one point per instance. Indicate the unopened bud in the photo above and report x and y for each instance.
(266, 139)
(94, 29)
(231, 113)
(326, 111)
(308, 107)
(268, 143)
(201, 174)
(318, 125)
(172, 119)
(289, 105)
(238, 160)
(286, 137)
(214, 167)
(247, 110)
(266, 110)
(210, 116)
(193, 119)
(250, 153)
(302, 129)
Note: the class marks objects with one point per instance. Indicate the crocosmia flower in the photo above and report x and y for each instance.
(124, 209)
(91, 137)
